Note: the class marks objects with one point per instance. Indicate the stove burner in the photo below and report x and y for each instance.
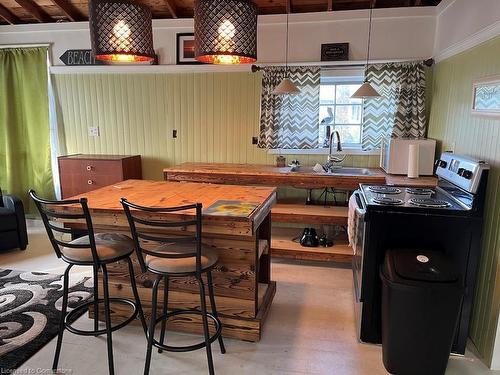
(429, 202)
(381, 189)
(419, 191)
(388, 201)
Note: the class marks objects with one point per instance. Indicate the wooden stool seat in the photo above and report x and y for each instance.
(180, 265)
(109, 246)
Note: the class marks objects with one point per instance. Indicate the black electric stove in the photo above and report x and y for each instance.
(445, 218)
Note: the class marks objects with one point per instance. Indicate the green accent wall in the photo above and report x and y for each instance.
(215, 115)
(451, 122)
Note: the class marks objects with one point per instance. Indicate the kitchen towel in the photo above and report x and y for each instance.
(351, 221)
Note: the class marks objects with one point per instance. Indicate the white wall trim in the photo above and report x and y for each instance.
(443, 5)
(272, 19)
(472, 41)
(147, 69)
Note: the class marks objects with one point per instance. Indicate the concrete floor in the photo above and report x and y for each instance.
(310, 330)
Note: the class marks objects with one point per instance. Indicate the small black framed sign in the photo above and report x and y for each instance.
(185, 49)
(335, 52)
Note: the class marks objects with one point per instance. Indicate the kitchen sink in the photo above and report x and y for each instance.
(351, 171)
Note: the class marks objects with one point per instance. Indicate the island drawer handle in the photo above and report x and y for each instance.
(90, 182)
(89, 168)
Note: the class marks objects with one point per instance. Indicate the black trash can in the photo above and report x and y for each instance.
(421, 300)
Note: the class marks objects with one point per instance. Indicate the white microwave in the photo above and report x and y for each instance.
(394, 155)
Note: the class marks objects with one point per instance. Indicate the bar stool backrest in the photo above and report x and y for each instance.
(48, 214)
(145, 231)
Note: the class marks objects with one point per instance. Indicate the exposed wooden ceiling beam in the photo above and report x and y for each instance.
(172, 8)
(330, 6)
(37, 12)
(8, 16)
(68, 10)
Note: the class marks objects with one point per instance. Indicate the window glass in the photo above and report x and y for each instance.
(340, 112)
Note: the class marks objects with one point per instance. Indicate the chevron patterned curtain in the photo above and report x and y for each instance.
(400, 111)
(290, 121)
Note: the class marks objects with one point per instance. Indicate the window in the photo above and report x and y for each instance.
(338, 110)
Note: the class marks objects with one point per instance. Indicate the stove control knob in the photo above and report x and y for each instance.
(441, 163)
(460, 172)
(467, 174)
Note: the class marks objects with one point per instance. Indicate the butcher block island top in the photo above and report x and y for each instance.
(168, 194)
(236, 225)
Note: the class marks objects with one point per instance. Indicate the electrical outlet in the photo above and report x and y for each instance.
(255, 140)
(449, 146)
(93, 131)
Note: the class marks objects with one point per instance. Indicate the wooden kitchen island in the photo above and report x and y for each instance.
(242, 278)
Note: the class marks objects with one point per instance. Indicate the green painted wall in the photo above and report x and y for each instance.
(215, 114)
(451, 121)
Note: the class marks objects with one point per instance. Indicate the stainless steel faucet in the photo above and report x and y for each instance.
(330, 163)
(330, 141)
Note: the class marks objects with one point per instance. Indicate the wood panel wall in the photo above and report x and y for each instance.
(451, 122)
(215, 114)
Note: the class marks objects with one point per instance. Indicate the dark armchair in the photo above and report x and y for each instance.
(13, 232)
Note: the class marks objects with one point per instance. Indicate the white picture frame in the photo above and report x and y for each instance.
(486, 97)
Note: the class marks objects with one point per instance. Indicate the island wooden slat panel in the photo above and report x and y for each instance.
(242, 278)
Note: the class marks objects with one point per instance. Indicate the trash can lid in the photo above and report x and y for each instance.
(423, 265)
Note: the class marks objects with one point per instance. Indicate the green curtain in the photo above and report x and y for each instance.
(24, 124)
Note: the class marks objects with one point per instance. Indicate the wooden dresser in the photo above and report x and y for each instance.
(81, 173)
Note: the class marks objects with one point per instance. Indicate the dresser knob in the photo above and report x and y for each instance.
(90, 182)
(89, 168)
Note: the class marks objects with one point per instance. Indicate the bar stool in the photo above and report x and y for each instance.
(95, 250)
(174, 257)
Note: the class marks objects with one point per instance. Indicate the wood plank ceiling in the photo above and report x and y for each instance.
(40, 11)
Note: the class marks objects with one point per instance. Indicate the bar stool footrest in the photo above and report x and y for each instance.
(76, 312)
(188, 348)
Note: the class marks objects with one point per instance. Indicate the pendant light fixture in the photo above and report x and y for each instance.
(121, 31)
(286, 86)
(366, 90)
(225, 31)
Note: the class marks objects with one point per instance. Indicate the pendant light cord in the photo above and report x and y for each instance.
(369, 37)
(286, 47)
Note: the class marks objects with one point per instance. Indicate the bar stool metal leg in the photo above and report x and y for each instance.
(64, 309)
(107, 314)
(96, 298)
(165, 311)
(136, 296)
(205, 325)
(214, 307)
(152, 325)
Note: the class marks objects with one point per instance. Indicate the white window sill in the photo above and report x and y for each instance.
(322, 151)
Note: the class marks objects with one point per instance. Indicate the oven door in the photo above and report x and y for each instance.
(357, 259)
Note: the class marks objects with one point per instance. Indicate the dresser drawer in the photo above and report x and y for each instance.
(104, 168)
(82, 173)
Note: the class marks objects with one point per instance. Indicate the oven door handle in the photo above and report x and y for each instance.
(360, 207)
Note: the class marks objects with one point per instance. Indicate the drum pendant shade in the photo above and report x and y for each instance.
(225, 31)
(121, 31)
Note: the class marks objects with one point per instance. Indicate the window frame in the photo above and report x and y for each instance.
(334, 80)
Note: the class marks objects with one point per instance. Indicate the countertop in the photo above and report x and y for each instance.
(305, 177)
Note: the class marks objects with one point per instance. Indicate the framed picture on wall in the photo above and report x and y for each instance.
(185, 49)
(486, 97)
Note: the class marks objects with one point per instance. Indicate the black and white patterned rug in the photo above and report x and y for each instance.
(30, 308)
